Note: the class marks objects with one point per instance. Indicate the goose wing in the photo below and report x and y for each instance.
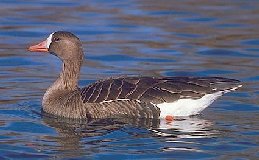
(155, 90)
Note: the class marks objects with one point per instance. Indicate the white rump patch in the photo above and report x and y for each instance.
(49, 40)
(187, 107)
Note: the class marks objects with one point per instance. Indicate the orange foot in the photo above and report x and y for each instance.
(169, 118)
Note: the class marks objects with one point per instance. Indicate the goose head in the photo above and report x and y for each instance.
(62, 44)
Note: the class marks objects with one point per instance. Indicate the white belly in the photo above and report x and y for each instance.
(187, 107)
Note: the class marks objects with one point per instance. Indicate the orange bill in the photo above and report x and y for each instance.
(41, 47)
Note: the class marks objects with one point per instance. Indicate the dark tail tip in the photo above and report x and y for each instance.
(226, 84)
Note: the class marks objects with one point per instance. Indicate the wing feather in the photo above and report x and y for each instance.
(154, 90)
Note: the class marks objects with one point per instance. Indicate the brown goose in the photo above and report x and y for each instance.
(142, 97)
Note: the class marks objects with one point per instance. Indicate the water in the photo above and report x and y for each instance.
(130, 37)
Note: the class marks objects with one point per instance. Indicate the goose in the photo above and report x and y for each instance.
(134, 97)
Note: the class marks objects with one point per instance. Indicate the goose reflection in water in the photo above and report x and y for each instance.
(76, 137)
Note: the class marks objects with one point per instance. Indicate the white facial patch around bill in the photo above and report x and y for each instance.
(49, 40)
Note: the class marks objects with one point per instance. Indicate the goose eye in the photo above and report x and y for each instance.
(55, 39)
